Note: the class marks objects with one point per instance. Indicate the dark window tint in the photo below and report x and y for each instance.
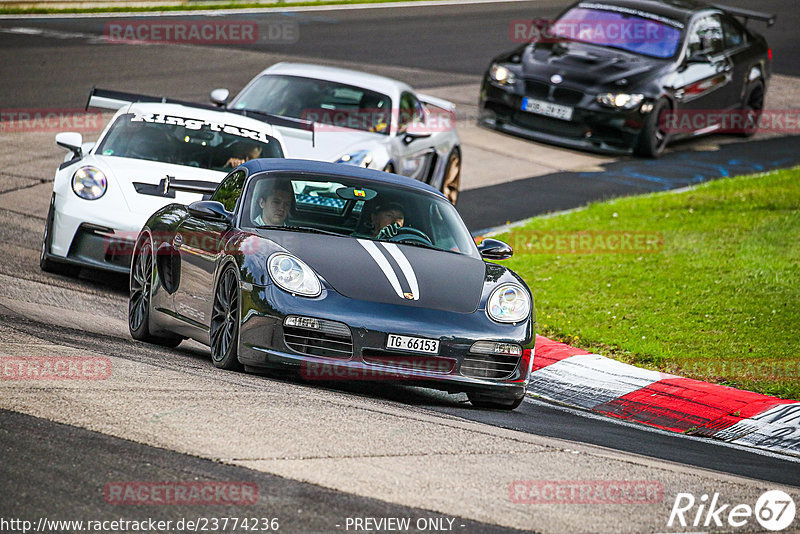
(706, 36)
(734, 33)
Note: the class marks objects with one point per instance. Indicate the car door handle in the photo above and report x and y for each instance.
(177, 241)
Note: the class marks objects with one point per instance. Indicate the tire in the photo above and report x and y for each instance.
(451, 180)
(493, 403)
(141, 290)
(752, 106)
(224, 331)
(653, 139)
(47, 264)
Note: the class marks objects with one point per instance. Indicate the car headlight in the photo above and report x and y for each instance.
(362, 158)
(89, 183)
(502, 75)
(620, 100)
(292, 275)
(508, 303)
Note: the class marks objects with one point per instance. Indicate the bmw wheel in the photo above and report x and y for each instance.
(752, 107)
(654, 137)
(141, 290)
(225, 322)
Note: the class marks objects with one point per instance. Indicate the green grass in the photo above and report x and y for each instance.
(186, 7)
(719, 302)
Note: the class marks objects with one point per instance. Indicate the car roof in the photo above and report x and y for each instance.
(179, 110)
(335, 169)
(381, 84)
(679, 10)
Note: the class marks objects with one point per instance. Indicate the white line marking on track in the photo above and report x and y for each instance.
(585, 413)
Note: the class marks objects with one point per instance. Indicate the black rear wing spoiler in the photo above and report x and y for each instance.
(747, 14)
(108, 99)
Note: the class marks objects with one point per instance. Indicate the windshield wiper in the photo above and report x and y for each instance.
(308, 229)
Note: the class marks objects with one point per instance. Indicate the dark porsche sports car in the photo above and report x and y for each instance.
(291, 264)
(614, 75)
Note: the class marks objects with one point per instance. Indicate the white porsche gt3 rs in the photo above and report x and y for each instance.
(358, 119)
(148, 156)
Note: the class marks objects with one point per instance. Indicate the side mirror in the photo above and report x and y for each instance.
(72, 141)
(493, 249)
(210, 210)
(409, 138)
(219, 97)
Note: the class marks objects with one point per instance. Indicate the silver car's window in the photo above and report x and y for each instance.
(184, 141)
(330, 104)
(352, 207)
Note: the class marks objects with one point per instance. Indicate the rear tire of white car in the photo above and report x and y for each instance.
(451, 180)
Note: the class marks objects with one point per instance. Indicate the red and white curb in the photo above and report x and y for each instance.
(601, 385)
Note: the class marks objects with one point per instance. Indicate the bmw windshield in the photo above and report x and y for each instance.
(185, 141)
(622, 28)
(352, 207)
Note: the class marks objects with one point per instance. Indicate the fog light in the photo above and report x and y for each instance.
(490, 347)
(301, 322)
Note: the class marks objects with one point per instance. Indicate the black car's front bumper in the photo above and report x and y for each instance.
(353, 347)
(591, 128)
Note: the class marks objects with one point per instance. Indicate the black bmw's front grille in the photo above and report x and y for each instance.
(558, 95)
(331, 340)
(489, 365)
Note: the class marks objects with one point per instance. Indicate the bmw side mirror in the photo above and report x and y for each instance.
(493, 249)
(72, 141)
(220, 97)
(409, 138)
(210, 210)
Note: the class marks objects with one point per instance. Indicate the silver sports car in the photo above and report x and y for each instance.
(358, 119)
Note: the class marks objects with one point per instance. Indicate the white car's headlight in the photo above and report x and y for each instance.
(508, 303)
(620, 100)
(292, 275)
(89, 183)
(502, 75)
(362, 158)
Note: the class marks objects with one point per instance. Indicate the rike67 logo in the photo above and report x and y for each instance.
(774, 510)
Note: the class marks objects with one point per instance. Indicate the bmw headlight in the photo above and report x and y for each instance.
(89, 183)
(362, 158)
(292, 275)
(508, 303)
(620, 100)
(502, 75)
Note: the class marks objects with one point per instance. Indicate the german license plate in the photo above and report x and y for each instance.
(548, 109)
(412, 344)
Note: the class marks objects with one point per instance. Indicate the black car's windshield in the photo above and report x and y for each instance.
(622, 28)
(185, 141)
(320, 101)
(353, 208)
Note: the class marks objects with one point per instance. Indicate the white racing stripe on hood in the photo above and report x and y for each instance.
(383, 263)
(405, 266)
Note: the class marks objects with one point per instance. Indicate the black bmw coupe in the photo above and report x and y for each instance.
(623, 76)
(339, 273)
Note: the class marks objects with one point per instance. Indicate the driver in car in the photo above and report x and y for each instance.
(387, 219)
(276, 204)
